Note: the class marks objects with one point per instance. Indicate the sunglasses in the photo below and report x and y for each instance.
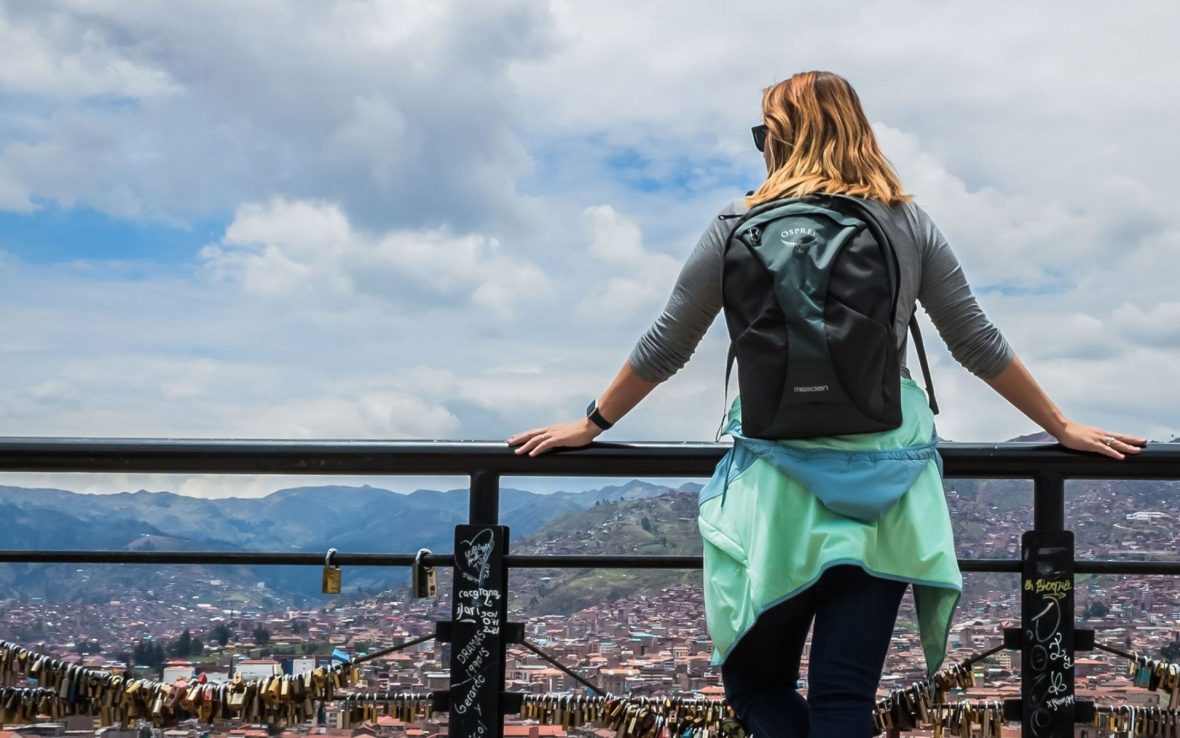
(760, 136)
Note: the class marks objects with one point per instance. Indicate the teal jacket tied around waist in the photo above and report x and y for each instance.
(776, 514)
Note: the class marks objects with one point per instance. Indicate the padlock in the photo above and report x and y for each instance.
(423, 581)
(333, 576)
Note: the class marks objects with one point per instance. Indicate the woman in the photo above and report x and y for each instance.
(776, 556)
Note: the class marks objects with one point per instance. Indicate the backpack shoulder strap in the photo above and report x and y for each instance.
(725, 396)
(917, 333)
(877, 215)
(740, 218)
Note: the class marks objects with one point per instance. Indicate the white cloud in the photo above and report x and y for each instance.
(398, 112)
(13, 197)
(1159, 325)
(116, 395)
(281, 248)
(53, 391)
(1071, 336)
(457, 266)
(639, 278)
(286, 248)
(64, 59)
(380, 413)
(1021, 242)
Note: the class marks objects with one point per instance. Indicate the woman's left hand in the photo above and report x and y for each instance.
(1090, 438)
(540, 440)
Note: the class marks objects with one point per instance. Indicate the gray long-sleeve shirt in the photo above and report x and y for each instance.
(930, 273)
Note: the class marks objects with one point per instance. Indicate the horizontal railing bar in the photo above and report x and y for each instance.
(515, 561)
(990, 566)
(209, 558)
(347, 457)
(217, 456)
(970, 566)
(541, 561)
(1170, 568)
(527, 561)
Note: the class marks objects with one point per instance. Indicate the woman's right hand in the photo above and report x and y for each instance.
(539, 440)
(1091, 438)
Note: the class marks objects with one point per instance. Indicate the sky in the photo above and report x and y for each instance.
(452, 220)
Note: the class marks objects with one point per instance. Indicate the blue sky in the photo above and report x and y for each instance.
(53, 234)
(446, 220)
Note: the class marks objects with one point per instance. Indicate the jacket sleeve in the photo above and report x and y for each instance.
(973, 340)
(695, 301)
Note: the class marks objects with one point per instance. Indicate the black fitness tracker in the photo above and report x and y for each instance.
(596, 417)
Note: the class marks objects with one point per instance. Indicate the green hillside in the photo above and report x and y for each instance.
(663, 525)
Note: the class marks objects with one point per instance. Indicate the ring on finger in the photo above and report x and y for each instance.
(1108, 441)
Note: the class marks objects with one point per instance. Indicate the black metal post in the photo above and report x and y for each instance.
(479, 614)
(484, 502)
(479, 611)
(1047, 616)
(1048, 501)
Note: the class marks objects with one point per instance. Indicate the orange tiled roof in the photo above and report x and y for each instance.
(523, 731)
(388, 720)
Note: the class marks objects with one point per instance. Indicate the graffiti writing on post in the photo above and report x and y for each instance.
(478, 610)
(1047, 607)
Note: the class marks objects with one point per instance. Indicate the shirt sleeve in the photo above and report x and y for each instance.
(695, 301)
(973, 340)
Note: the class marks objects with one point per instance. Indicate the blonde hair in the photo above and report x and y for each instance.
(819, 140)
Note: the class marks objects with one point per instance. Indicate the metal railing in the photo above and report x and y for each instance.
(481, 560)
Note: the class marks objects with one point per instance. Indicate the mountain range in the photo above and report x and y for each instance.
(302, 519)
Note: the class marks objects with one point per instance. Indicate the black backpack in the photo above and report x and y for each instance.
(810, 288)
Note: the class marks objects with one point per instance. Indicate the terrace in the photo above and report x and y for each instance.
(479, 624)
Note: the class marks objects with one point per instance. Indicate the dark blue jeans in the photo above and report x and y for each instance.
(854, 615)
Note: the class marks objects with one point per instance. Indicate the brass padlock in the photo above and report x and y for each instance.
(333, 576)
(423, 581)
